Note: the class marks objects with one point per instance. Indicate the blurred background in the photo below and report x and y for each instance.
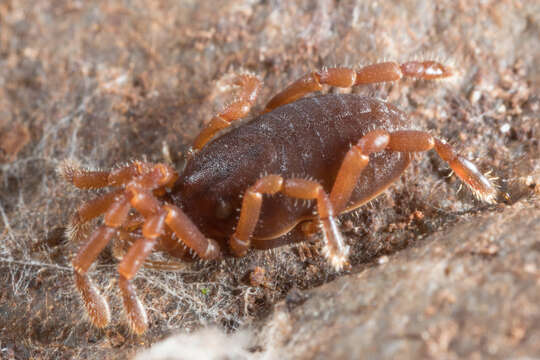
(435, 273)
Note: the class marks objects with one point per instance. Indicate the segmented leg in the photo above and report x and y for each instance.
(345, 77)
(95, 303)
(335, 248)
(411, 140)
(94, 179)
(115, 206)
(156, 217)
(352, 166)
(139, 193)
(77, 228)
(95, 207)
(250, 86)
(190, 235)
(357, 159)
(250, 211)
(175, 248)
(154, 233)
(167, 243)
(132, 261)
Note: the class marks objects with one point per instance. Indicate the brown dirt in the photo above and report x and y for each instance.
(435, 273)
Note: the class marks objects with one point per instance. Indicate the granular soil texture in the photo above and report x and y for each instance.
(435, 273)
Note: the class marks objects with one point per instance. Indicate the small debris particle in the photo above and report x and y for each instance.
(257, 277)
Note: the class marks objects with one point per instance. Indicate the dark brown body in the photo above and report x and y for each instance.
(308, 139)
(245, 188)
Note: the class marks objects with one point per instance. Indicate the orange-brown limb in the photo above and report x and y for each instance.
(115, 208)
(138, 320)
(352, 166)
(411, 140)
(346, 77)
(132, 261)
(94, 179)
(156, 218)
(238, 109)
(335, 248)
(357, 159)
(189, 234)
(250, 212)
(171, 245)
(95, 304)
(94, 208)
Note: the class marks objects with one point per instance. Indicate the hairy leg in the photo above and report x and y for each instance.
(346, 77)
(249, 85)
(357, 159)
(335, 248)
(115, 207)
(94, 179)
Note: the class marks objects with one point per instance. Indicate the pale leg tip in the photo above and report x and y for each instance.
(95, 304)
(101, 320)
(134, 310)
(138, 328)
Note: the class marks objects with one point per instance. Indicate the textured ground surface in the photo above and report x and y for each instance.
(435, 273)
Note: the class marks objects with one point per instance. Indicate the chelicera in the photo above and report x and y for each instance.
(240, 190)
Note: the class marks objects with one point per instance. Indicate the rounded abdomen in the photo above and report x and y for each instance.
(308, 139)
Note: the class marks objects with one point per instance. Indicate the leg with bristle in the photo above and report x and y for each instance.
(345, 78)
(157, 216)
(190, 235)
(95, 179)
(335, 249)
(249, 88)
(172, 246)
(115, 207)
(138, 321)
(479, 184)
(413, 141)
(95, 304)
(250, 212)
(357, 159)
(153, 228)
(88, 211)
